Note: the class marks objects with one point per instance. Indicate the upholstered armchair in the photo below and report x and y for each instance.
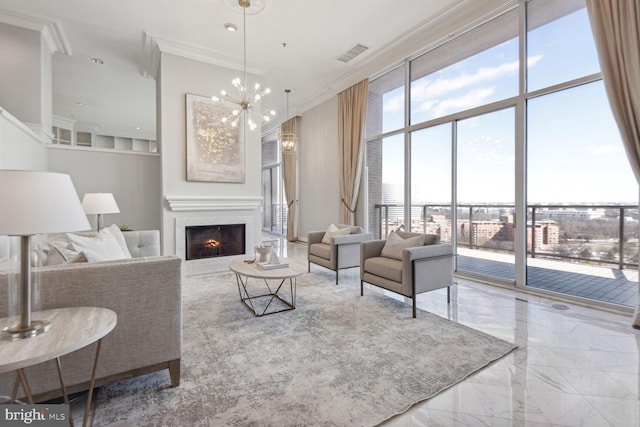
(407, 264)
(336, 248)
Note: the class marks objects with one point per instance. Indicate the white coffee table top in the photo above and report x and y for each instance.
(294, 269)
(71, 329)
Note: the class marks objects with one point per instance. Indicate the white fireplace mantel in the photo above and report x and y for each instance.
(212, 203)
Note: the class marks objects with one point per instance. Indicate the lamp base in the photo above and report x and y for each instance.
(19, 332)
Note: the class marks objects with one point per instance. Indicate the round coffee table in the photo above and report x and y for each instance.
(259, 304)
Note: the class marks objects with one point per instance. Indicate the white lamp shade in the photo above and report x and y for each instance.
(99, 203)
(33, 202)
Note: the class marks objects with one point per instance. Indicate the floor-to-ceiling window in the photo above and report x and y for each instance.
(274, 213)
(506, 147)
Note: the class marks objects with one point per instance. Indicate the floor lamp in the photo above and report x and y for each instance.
(99, 203)
(35, 203)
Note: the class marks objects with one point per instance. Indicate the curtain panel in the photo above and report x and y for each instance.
(616, 29)
(289, 176)
(352, 107)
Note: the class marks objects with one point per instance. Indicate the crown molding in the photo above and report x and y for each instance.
(153, 46)
(51, 30)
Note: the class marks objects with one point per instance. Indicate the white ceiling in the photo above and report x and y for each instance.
(115, 98)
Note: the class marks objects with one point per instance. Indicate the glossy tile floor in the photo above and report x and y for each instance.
(575, 366)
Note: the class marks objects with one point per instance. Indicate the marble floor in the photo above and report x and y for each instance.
(574, 366)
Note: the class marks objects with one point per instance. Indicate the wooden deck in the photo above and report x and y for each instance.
(599, 283)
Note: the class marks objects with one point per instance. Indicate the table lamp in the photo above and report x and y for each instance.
(35, 203)
(99, 203)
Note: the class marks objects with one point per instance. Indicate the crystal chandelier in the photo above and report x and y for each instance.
(288, 139)
(244, 104)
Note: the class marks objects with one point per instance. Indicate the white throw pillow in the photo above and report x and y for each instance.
(102, 247)
(61, 251)
(395, 244)
(115, 231)
(334, 231)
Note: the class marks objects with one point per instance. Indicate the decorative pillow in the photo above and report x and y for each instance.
(334, 231)
(395, 244)
(63, 253)
(115, 231)
(102, 247)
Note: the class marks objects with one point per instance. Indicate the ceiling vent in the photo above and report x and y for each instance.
(352, 53)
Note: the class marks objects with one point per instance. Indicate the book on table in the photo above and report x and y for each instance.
(267, 266)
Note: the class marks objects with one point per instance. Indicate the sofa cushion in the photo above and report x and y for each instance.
(321, 250)
(388, 268)
(395, 244)
(334, 231)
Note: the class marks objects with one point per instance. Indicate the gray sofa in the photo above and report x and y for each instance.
(146, 294)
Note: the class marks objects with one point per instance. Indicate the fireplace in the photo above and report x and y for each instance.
(213, 241)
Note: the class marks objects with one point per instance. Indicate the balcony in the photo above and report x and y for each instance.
(588, 251)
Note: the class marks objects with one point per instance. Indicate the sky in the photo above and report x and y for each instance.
(574, 152)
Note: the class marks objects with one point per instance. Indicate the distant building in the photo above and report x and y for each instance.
(570, 213)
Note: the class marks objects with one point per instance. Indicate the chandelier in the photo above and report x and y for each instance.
(244, 103)
(288, 139)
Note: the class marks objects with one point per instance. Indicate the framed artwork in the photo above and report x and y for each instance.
(215, 150)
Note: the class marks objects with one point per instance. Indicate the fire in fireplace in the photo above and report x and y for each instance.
(211, 241)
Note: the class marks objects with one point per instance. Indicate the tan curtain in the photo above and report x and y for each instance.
(289, 177)
(352, 107)
(616, 29)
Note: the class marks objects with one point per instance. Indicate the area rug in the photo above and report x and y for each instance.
(338, 359)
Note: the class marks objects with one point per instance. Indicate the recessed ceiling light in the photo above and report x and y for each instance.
(230, 27)
(138, 128)
(97, 61)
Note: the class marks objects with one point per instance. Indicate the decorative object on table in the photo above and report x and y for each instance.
(215, 152)
(263, 252)
(99, 204)
(35, 203)
(272, 263)
(269, 266)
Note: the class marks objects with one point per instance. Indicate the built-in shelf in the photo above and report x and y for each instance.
(61, 135)
(125, 143)
(83, 139)
(86, 138)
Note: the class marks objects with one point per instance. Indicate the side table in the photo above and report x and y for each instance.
(71, 329)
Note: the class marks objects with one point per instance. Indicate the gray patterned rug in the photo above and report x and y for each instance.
(338, 359)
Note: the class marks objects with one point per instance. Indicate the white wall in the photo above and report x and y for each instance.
(133, 178)
(177, 77)
(20, 68)
(20, 148)
(319, 192)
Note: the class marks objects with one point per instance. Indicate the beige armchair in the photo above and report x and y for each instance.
(410, 270)
(342, 251)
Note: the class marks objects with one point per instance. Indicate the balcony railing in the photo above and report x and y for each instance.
(566, 232)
